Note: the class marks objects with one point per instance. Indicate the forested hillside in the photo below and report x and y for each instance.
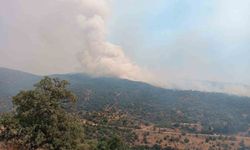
(216, 113)
(11, 82)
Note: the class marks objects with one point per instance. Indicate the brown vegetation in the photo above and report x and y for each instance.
(149, 136)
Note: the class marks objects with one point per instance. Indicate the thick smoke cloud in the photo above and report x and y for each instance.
(61, 36)
(100, 57)
(50, 36)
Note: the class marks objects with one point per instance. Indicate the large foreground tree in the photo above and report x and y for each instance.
(39, 120)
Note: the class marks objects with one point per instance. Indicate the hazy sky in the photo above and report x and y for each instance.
(169, 39)
(206, 40)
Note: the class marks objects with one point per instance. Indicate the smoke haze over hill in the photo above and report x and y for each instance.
(153, 43)
(54, 31)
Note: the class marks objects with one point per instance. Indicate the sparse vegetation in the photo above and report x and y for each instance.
(112, 114)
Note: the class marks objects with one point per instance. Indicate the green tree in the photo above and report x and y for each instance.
(102, 145)
(40, 121)
(115, 143)
(186, 140)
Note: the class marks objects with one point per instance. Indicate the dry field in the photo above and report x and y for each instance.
(150, 136)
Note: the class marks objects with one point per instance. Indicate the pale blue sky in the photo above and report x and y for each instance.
(204, 40)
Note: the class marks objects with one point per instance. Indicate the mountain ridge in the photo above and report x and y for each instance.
(222, 113)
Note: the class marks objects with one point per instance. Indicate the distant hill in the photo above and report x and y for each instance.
(216, 112)
(12, 81)
(212, 86)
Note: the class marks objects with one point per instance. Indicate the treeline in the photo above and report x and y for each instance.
(41, 119)
(217, 113)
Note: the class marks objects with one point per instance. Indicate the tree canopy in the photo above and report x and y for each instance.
(40, 121)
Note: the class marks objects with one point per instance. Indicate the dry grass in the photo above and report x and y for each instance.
(174, 138)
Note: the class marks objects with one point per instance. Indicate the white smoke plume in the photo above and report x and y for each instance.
(61, 36)
(51, 36)
(100, 57)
